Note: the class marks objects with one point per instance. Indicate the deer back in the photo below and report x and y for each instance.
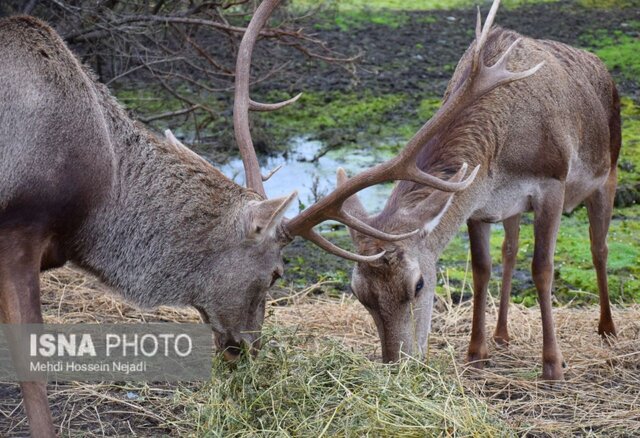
(554, 124)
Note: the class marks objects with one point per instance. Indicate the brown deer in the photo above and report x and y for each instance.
(544, 144)
(82, 182)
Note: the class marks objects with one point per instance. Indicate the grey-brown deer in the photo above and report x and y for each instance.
(82, 182)
(545, 143)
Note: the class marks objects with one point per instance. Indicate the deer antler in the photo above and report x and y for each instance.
(480, 81)
(243, 103)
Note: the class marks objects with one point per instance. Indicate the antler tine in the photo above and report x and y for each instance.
(243, 103)
(271, 173)
(330, 207)
(257, 106)
(336, 250)
(364, 228)
(480, 80)
(478, 24)
(481, 36)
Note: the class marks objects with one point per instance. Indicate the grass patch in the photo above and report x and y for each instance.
(329, 390)
(629, 162)
(618, 49)
(575, 277)
(355, 14)
(401, 5)
(349, 20)
(608, 4)
(382, 121)
(623, 56)
(336, 118)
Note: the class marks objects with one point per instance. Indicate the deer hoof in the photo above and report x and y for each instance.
(608, 331)
(478, 359)
(553, 371)
(501, 339)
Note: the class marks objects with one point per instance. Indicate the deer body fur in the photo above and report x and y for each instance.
(82, 182)
(545, 143)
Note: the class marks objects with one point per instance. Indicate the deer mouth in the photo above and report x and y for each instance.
(232, 351)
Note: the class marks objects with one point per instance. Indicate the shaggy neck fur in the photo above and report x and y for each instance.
(168, 213)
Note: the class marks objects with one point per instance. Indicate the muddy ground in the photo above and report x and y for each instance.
(416, 52)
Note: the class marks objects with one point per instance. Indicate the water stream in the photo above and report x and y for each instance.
(309, 177)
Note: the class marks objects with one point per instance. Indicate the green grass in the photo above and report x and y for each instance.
(623, 56)
(401, 5)
(328, 390)
(618, 49)
(608, 4)
(354, 14)
(575, 277)
(338, 118)
(348, 20)
(629, 163)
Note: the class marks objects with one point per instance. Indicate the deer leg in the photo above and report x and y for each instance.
(548, 212)
(20, 304)
(599, 208)
(509, 254)
(479, 233)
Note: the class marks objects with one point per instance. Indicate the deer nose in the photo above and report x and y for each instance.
(232, 351)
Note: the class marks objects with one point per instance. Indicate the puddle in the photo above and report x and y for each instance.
(318, 177)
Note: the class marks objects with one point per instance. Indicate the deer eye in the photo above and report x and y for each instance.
(274, 277)
(419, 285)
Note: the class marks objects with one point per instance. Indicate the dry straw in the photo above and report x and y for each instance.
(315, 377)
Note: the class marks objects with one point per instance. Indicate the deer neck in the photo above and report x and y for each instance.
(442, 157)
(169, 215)
(461, 208)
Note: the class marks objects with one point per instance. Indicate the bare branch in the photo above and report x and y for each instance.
(169, 114)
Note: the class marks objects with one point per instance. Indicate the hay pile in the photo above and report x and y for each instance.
(601, 393)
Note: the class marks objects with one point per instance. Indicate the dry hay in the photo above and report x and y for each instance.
(601, 393)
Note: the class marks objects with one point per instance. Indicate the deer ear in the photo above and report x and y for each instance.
(352, 205)
(263, 217)
(172, 138)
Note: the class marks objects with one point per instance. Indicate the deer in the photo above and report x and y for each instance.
(84, 183)
(544, 143)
